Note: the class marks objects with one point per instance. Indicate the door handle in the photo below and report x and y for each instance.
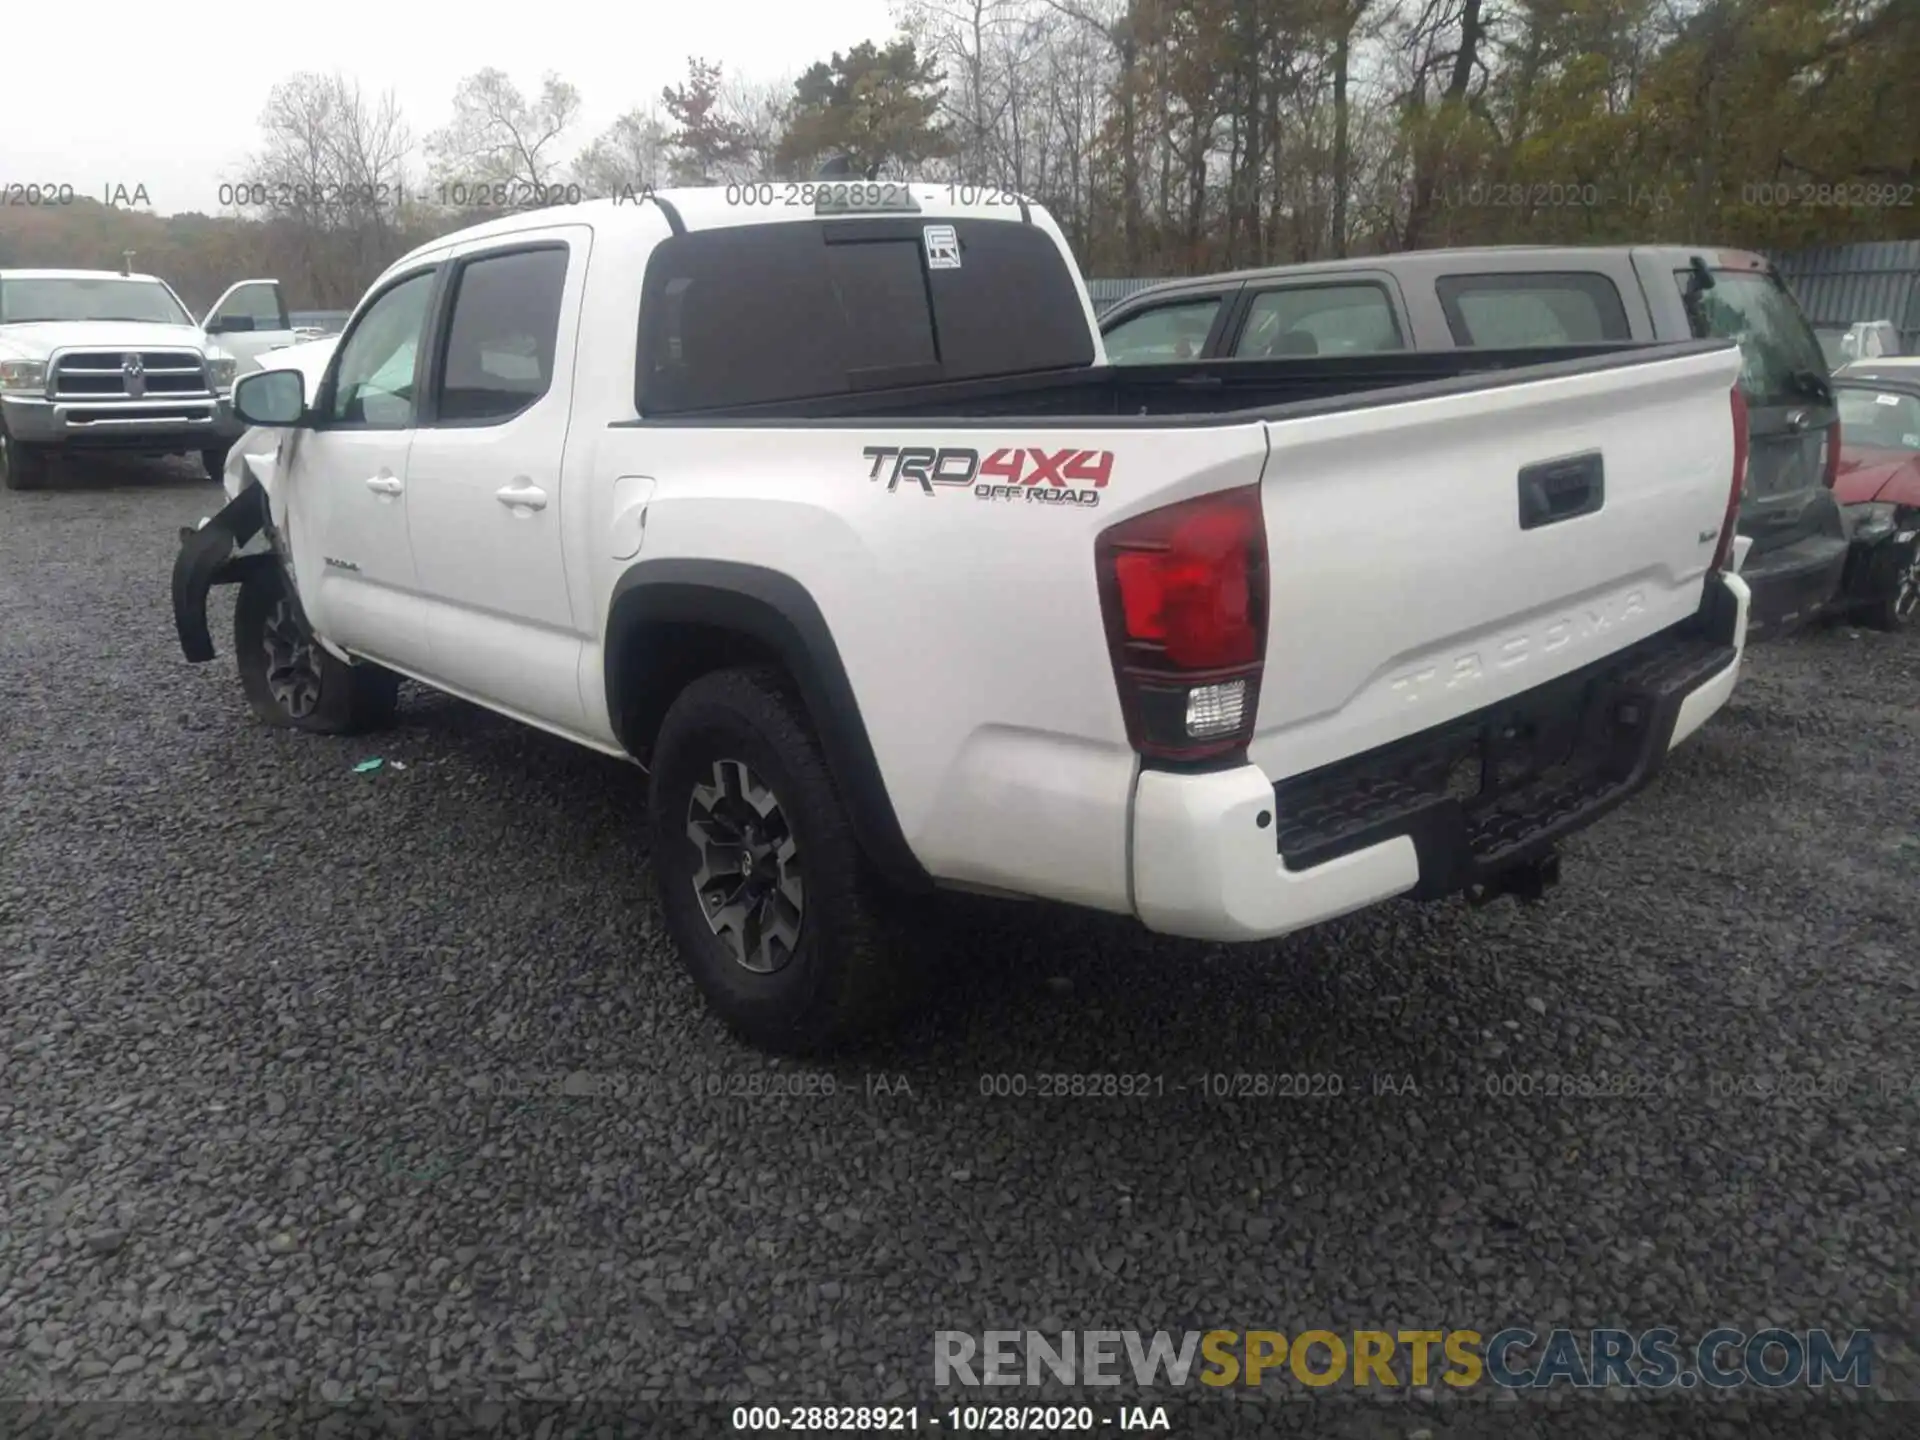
(522, 494)
(1556, 490)
(384, 485)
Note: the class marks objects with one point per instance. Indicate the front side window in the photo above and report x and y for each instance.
(501, 342)
(1778, 352)
(26, 299)
(373, 382)
(1320, 320)
(1515, 310)
(1164, 334)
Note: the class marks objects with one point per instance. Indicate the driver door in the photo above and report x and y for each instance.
(346, 489)
(248, 321)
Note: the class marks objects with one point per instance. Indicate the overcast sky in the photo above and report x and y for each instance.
(126, 93)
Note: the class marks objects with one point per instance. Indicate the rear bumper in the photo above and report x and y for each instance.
(148, 426)
(1794, 584)
(1230, 855)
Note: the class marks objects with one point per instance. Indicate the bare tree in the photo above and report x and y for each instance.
(759, 111)
(498, 137)
(973, 41)
(329, 181)
(630, 155)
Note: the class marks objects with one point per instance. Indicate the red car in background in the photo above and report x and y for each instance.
(1878, 487)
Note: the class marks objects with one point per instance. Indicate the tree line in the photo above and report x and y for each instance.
(1166, 136)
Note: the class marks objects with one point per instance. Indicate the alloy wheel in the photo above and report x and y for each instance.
(293, 662)
(748, 885)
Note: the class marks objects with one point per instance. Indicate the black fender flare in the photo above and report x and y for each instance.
(777, 611)
(206, 559)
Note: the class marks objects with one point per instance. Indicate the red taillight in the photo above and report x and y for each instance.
(1184, 592)
(1723, 555)
(1833, 454)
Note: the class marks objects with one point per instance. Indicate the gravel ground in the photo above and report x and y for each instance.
(328, 1084)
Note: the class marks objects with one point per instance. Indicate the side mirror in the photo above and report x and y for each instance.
(274, 398)
(228, 325)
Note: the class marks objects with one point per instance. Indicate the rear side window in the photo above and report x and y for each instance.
(1164, 334)
(500, 344)
(755, 314)
(1776, 343)
(1514, 311)
(1320, 320)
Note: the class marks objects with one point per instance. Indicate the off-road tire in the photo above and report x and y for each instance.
(22, 467)
(852, 969)
(335, 699)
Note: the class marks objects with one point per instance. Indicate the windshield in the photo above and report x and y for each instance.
(26, 299)
(1879, 420)
(1777, 346)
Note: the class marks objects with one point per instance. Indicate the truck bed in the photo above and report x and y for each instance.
(1202, 390)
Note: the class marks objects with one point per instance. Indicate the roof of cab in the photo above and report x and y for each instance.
(1462, 254)
(713, 207)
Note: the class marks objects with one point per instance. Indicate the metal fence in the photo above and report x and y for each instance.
(1839, 285)
(1106, 294)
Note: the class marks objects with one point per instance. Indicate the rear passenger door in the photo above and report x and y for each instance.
(485, 501)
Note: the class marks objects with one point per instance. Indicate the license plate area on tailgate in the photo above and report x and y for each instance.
(1500, 785)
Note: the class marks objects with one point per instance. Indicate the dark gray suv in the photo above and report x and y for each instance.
(1512, 296)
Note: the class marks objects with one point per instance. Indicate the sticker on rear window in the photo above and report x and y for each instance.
(1886, 399)
(943, 248)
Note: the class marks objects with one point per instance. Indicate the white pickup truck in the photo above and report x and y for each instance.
(832, 516)
(91, 361)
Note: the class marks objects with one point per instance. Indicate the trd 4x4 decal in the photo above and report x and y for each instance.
(1070, 476)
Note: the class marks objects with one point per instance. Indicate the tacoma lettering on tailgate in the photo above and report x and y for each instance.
(1507, 654)
(1069, 476)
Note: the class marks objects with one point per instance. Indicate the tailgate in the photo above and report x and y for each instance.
(1436, 555)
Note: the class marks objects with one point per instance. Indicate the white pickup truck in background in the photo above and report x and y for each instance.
(834, 519)
(94, 361)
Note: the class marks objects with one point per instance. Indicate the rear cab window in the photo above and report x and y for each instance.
(1517, 310)
(1165, 334)
(811, 309)
(1320, 320)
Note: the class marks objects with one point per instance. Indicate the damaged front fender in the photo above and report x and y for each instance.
(207, 558)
